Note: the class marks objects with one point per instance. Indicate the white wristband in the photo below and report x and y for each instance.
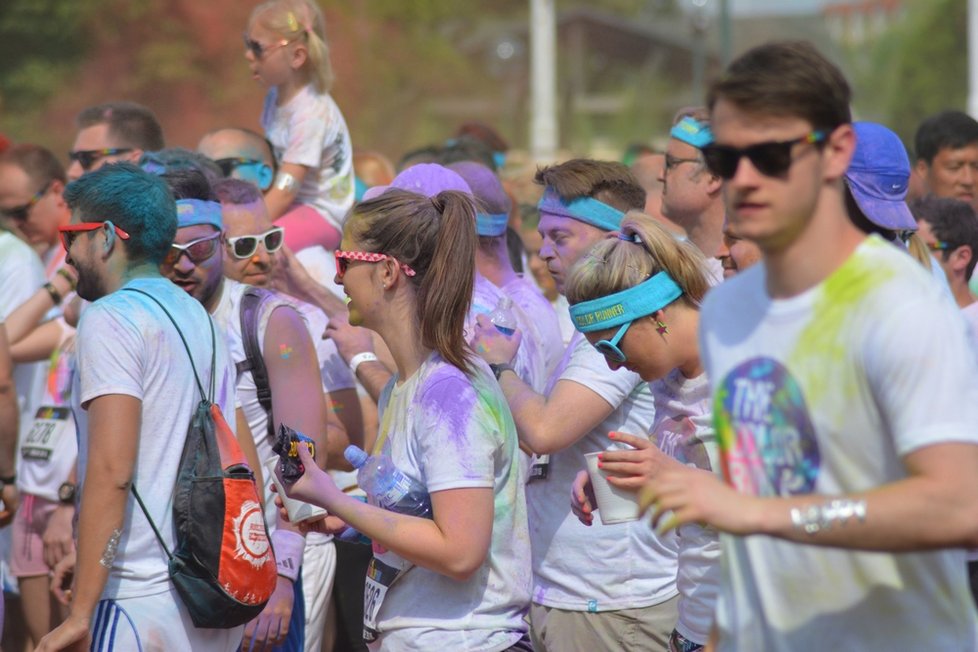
(359, 359)
(288, 546)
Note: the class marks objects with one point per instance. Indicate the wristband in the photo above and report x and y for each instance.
(53, 291)
(288, 546)
(498, 369)
(359, 359)
(815, 518)
(63, 273)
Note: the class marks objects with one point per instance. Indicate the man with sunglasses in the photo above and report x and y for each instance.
(112, 132)
(241, 154)
(691, 194)
(949, 228)
(846, 395)
(135, 396)
(251, 240)
(583, 600)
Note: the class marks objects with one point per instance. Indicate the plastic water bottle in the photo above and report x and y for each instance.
(503, 318)
(386, 486)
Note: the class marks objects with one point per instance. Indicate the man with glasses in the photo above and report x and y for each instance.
(583, 600)
(251, 240)
(949, 228)
(846, 395)
(135, 398)
(241, 154)
(112, 132)
(691, 194)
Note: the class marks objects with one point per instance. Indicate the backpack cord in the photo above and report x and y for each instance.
(203, 396)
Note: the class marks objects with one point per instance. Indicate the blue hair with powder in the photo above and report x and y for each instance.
(138, 202)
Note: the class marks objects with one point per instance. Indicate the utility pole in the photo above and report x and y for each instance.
(543, 80)
(973, 58)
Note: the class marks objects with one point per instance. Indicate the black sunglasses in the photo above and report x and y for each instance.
(259, 50)
(229, 165)
(771, 159)
(22, 212)
(88, 157)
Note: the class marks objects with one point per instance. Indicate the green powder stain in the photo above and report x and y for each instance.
(825, 342)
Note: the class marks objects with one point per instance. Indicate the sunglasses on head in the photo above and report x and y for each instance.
(772, 159)
(72, 231)
(229, 165)
(259, 50)
(88, 157)
(245, 246)
(197, 251)
(343, 259)
(609, 348)
(22, 212)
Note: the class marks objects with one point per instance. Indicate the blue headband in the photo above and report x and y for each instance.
(628, 305)
(194, 212)
(491, 224)
(586, 209)
(692, 132)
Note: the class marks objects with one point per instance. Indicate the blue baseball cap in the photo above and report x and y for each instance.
(878, 176)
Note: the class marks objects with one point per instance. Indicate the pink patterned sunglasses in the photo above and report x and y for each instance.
(343, 259)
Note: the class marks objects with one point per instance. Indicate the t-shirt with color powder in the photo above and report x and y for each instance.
(825, 393)
(310, 130)
(334, 373)
(543, 318)
(684, 430)
(126, 345)
(603, 567)
(529, 363)
(447, 430)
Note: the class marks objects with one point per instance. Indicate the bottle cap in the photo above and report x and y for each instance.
(356, 456)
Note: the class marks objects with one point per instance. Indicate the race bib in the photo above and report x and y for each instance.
(50, 425)
(540, 468)
(380, 577)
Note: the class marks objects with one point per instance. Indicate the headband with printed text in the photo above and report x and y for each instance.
(692, 132)
(586, 209)
(628, 305)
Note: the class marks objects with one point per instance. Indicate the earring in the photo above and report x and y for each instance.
(661, 328)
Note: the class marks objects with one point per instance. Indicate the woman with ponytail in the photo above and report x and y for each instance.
(635, 296)
(457, 579)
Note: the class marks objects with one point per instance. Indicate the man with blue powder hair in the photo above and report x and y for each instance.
(691, 194)
(584, 601)
(134, 398)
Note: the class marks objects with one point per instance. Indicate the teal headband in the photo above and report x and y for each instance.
(586, 209)
(193, 212)
(628, 305)
(692, 132)
(491, 224)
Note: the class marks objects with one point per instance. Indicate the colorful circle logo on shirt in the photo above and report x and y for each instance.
(767, 440)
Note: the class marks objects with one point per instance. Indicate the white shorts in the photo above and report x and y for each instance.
(155, 623)
(318, 571)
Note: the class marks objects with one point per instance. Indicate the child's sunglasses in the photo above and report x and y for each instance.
(259, 50)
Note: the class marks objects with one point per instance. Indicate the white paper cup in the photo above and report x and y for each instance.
(298, 510)
(614, 505)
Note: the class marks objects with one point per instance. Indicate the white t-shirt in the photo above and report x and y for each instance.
(684, 429)
(603, 567)
(825, 393)
(310, 130)
(567, 330)
(970, 314)
(529, 363)
(126, 345)
(543, 319)
(49, 452)
(335, 374)
(447, 430)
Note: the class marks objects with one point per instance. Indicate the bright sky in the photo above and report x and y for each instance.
(741, 7)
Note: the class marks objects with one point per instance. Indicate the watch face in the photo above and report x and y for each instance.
(66, 492)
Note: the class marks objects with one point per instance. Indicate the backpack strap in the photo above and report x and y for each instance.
(200, 386)
(252, 302)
